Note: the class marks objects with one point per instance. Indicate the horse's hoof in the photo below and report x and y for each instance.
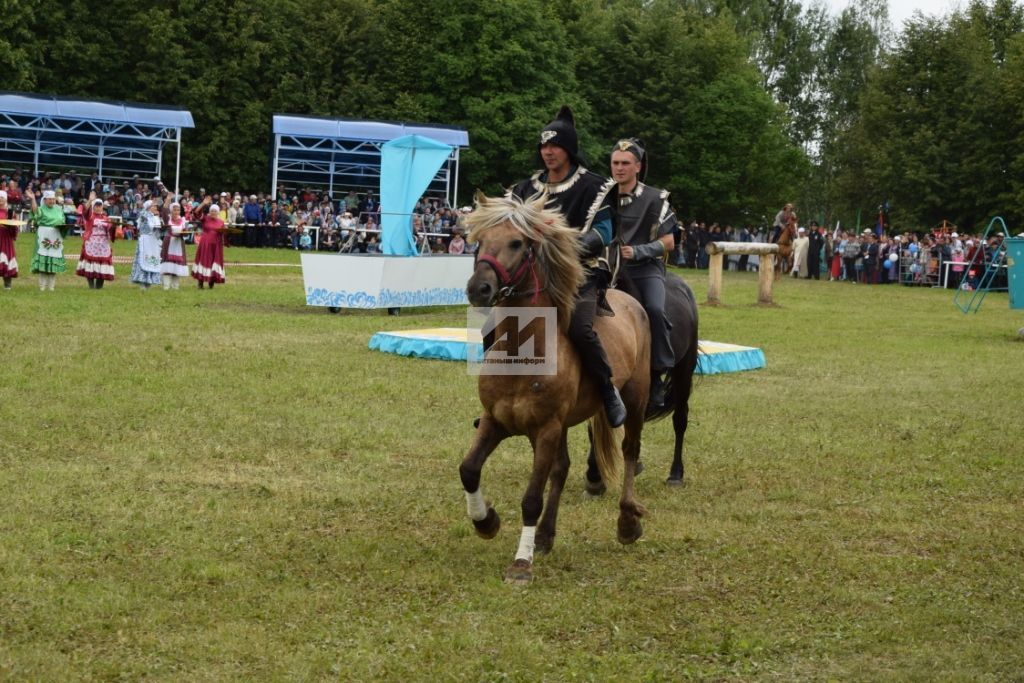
(542, 544)
(488, 527)
(595, 488)
(638, 468)
(520, 573)
(630, 529)
(674, 482)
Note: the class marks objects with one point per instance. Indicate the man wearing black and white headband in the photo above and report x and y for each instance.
(646, 227)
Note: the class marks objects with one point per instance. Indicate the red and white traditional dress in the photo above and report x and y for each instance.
(97, 258)
(173, 259)
(8, 235)
(209, 264)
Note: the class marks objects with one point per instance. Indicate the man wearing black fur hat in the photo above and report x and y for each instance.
(646, 229)
(582, 198)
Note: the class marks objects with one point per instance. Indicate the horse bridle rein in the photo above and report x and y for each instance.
(508, 284)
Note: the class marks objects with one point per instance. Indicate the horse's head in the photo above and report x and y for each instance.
(523, 248)
(505, 258)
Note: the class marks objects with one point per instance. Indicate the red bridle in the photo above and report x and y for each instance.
(508, 283)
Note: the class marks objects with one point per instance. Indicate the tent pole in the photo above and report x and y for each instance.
(455, 195)
(273, 177)
(177, 167)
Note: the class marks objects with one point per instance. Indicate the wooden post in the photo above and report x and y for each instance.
(715, 279)
(765, 278)
(766, 269)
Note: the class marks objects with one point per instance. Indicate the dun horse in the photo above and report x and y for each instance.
(527, 256)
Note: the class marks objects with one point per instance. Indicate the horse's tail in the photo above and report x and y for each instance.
(607, 447)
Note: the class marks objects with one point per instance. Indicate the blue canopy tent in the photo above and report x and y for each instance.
(116, 139)
(408, 164)
(345, 154)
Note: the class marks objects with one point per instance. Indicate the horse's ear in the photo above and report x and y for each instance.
(480, 198)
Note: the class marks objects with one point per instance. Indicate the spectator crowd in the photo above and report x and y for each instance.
(940, 257)
(308, 219)
(303, 219)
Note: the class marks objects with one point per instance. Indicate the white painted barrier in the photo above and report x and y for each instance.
(378, 281)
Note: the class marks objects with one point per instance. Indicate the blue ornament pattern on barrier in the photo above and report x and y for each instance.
(435, 296)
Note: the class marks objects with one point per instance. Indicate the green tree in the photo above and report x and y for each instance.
(936, 136)
(684, 84)
(501, 70)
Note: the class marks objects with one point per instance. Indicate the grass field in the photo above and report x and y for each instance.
(229, 485)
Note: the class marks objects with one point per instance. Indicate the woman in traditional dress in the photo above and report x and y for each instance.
(146, 268)
(173, 259)
(50, 231)
(96, 263)
(209, 264)
(8, 235)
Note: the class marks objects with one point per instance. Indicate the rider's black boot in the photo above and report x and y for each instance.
(614, 408)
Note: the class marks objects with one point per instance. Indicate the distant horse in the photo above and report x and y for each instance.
(784, 261)
(527, 256)
(681, 309)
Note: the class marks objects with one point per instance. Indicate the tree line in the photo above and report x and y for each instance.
(743, 104)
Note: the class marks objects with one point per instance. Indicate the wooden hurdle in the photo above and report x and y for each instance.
(765, 270)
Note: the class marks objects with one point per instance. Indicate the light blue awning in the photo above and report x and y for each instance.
(372, 131)
(115, 139)
(95, 110)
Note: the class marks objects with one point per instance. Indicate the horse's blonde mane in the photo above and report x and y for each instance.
(555, 243)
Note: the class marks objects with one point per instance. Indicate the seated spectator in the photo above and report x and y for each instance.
(298, 229)
(458, 244)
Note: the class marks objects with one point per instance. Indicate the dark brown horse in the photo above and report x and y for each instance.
(528, 257)
(681, 309)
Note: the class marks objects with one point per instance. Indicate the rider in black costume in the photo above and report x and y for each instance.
(646, 227)
(582, 198)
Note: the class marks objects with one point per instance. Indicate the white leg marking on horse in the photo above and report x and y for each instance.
(525, 551)
(475, 505)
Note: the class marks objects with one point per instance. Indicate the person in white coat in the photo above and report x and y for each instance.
(800, 247)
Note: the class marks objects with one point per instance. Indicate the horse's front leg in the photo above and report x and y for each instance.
(545, 539)
(488, 435)
(546, 444)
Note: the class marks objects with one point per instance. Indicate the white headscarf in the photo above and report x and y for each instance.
(214, 208)
(49, 194)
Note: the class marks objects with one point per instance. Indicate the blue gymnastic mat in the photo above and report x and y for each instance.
(452, 343)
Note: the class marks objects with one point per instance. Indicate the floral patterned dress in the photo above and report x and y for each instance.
(173, 259)
(8, 235)
(97, 259)
(49, 256)
(146, 267)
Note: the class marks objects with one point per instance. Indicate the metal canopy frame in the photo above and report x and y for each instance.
(116, 139)
(346, 154)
